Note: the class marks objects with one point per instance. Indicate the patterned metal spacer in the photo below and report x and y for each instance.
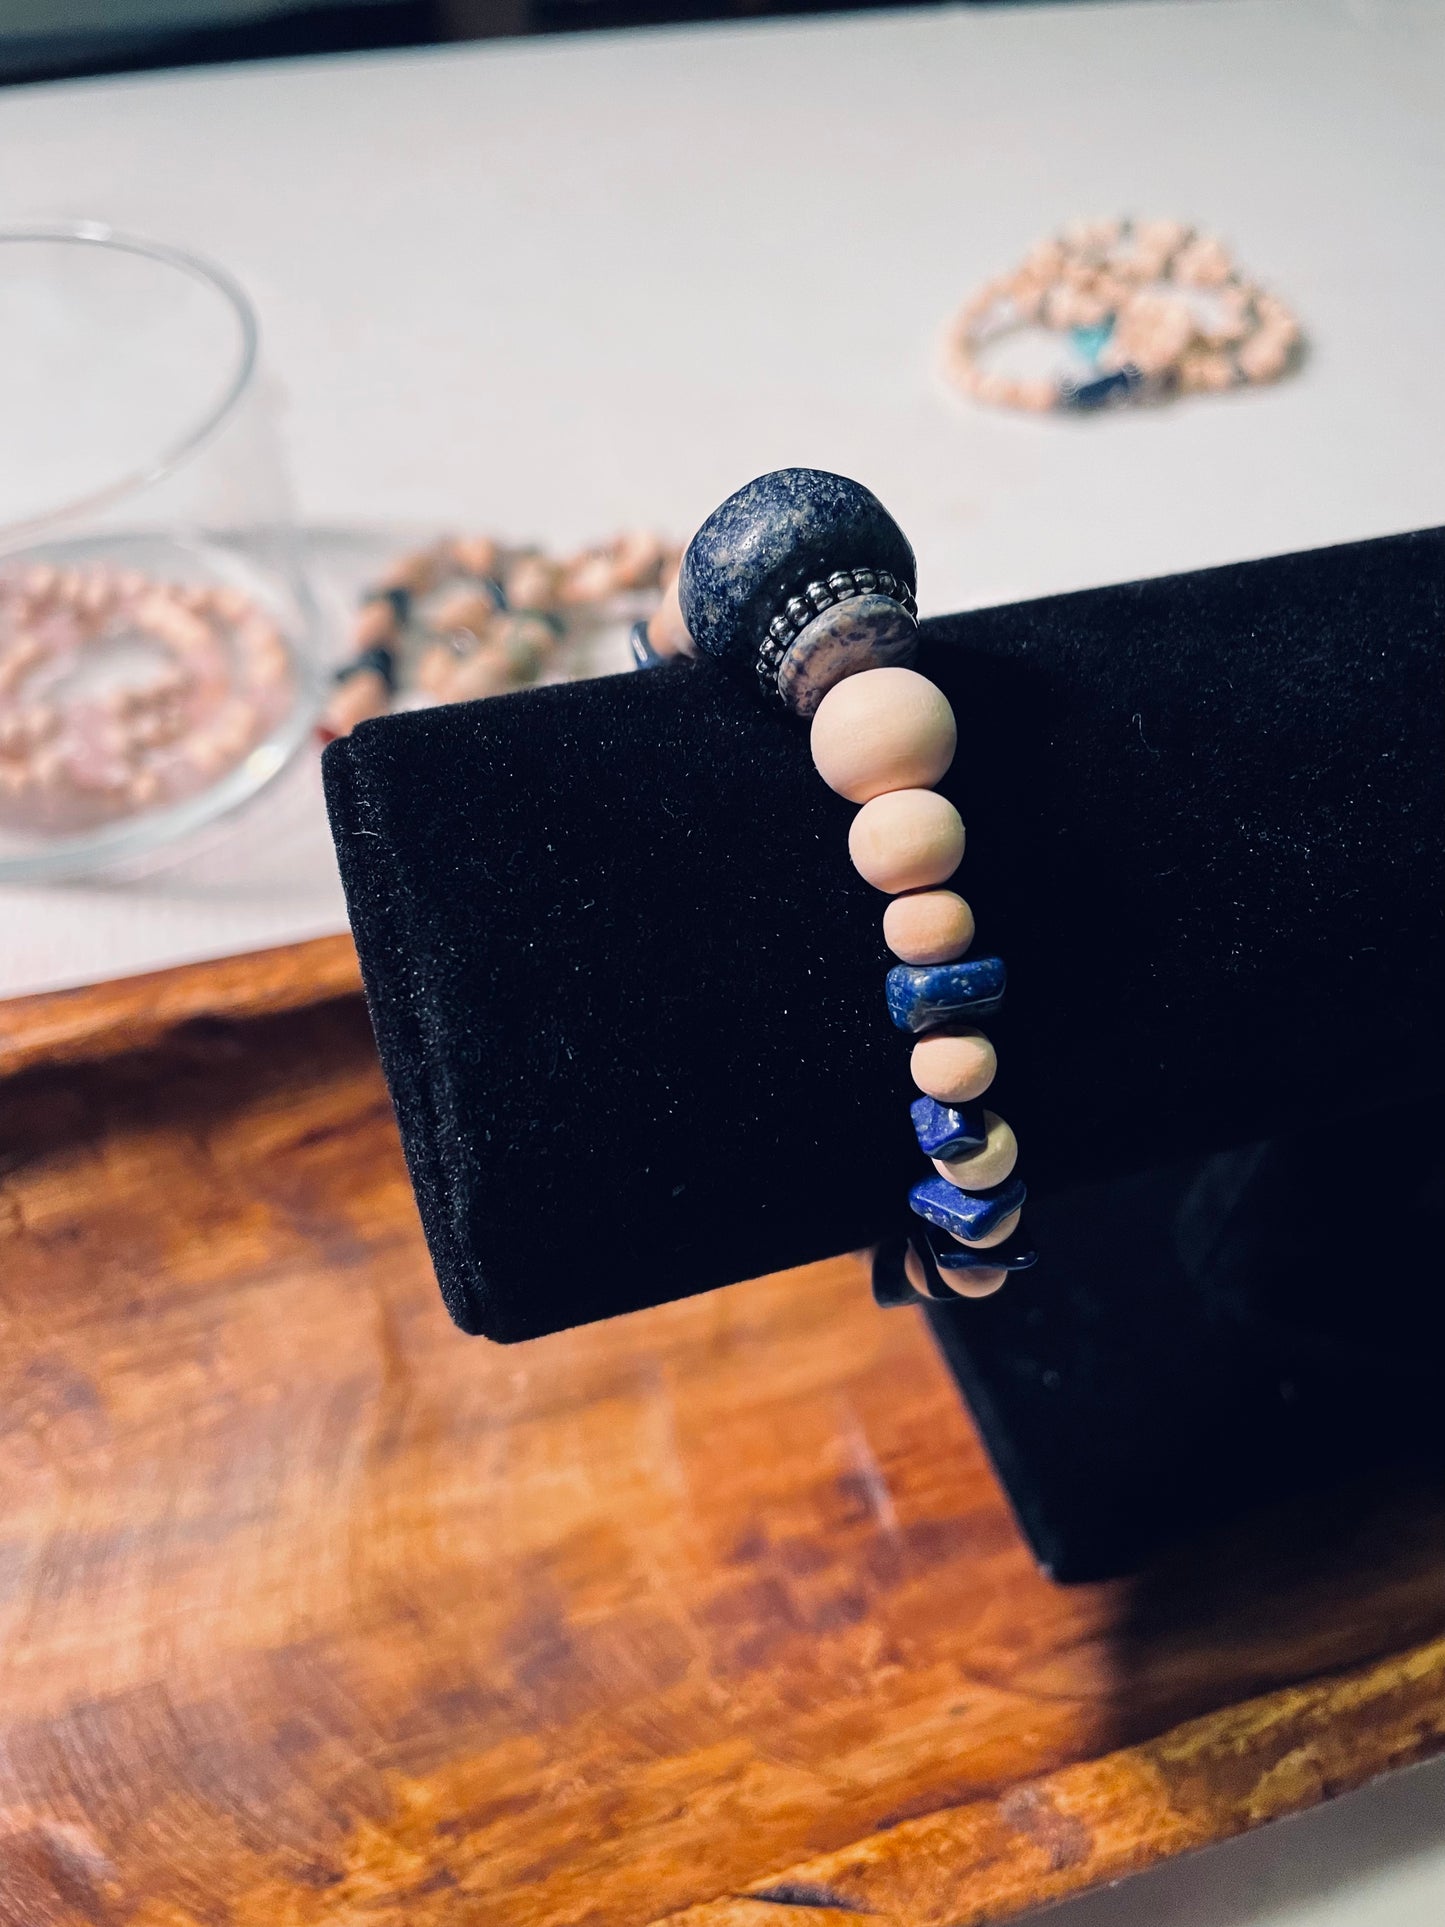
(843, 585)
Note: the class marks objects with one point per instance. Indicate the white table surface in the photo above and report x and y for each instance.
(551, 288)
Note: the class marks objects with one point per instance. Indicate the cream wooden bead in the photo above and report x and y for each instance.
(987, 1166)
(906, 840)
(666, 630)
(953, 1067)
(928, 926)
(995, 1237)
(883, 729)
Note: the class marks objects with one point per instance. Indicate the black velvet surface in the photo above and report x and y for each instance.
(628, 990)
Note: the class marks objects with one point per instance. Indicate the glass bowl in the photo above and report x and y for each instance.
(159, 644)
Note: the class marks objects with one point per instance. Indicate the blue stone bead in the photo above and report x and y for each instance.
(922, 995)
(1118, 385)
(1014, 1254)
(947, 1130)
(767, 542)
(644, 656)
(966, 1214)
(1090, 341)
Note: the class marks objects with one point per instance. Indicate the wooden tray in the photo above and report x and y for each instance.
(317, 1612)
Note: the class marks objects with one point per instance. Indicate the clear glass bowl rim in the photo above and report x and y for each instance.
(173, 456)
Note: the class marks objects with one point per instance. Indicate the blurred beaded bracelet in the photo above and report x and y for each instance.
(1151, 307)
(121, 692)
(804, 583)
(480, 619)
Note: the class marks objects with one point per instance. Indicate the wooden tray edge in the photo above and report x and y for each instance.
(97, 1021)
(1048, 1839)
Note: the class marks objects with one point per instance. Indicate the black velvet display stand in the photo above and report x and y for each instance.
(628, 992)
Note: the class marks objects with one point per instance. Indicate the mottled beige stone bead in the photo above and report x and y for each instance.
(906, 840)
(997, 1236)
(436, 670)
(883, 729)
(1263, 358)
(953, 1066)
(989, 1165)
(666, 630)
(928, 927)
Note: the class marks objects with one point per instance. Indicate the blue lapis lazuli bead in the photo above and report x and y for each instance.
(1117, 385)
(948, 1130)
(921, 995)
(966, 1214)
(644, 656)
(1014, 1254)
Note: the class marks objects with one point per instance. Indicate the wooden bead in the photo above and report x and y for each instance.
(356, 700)
(982, 1283)
(666, 630)
(928, 927)
(476, 554)
(883, 729)
(375, 623)
(533, 583)
(906, 840)
(953, 1067)
(982, 1169)
(995, 1237)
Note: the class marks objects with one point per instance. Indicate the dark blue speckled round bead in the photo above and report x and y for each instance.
(800, 579)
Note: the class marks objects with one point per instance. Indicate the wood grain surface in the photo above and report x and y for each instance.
(313, 1611)
(100, 1020)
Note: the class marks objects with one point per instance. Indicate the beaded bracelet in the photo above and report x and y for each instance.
(1151, 307)
(122, 692)
(804, 583)
(481, 618)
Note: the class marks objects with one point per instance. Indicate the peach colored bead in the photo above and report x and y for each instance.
(954, 1067)
(995, 1237)
(985, 1167)
(466, 613)
(533, 583)
(356, 700)
(929, 927)
(375, 624)
(906, 839)
(666, 630)
(883, 729)
(416, 573)
(476, 554)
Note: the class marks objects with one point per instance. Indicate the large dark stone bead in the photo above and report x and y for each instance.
(766, 543)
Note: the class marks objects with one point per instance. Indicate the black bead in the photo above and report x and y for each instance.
(766, 543)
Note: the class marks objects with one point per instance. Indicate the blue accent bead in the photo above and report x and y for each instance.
(644, 656)
(1090, 341)
(1117, 385)
(966, 1214)
(921, 995)
(400, 600)
(947, 1130)
(1014, 1254)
